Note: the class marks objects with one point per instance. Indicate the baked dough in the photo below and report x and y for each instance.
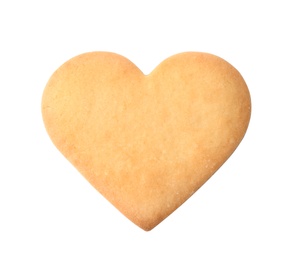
(146, 142)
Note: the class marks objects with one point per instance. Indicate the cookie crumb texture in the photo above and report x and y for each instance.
(146, 142)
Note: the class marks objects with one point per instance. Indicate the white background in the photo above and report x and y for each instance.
(48, 210)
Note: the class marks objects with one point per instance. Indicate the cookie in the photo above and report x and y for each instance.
(146, 142)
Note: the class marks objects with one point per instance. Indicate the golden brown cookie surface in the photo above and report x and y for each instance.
(146, 143)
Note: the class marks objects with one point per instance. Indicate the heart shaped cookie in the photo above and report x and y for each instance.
(146, 142)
